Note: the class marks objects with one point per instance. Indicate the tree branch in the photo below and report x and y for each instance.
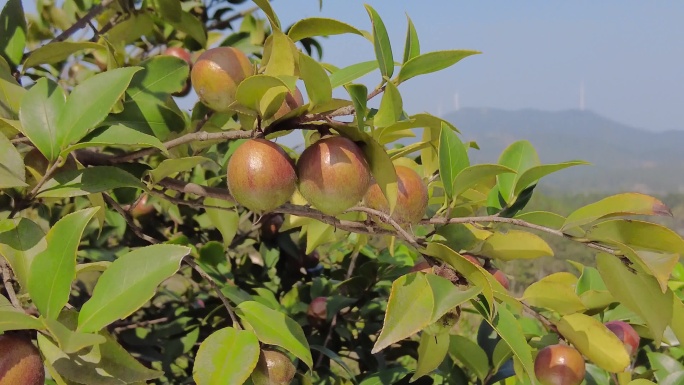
(222, 24)
(9, 286)
(83, 22)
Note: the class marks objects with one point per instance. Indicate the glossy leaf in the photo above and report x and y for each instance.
(381, 43)
(617, 205)
(20, 241)
(594, 341)
(519, 156)
(170, 167)
(87, 181)
(638, 234)
(391, 107)
(53, 270)
(110, 365)
(142, 270)
(315, 80)
(40, 108)
(320, 26)
(412, 44)
(12, 173)
(280, 55)
(118, 135)
(453, 158)
(431, 352)
(533, 174)
(56, 52)
(473, 175)
(639, 292)
(262, 93)
(346, 75)
(12, 32)
(515, 244)
(90, 102)
(554, 294)
(275, 328)
(431, 62)
(160, 75)
(409, 310)
(470, 355)
(225, 221)
(227, 356)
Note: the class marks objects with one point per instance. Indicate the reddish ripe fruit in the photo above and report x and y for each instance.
(183, 55)
(292, 101)
(626, 333)
(317, 312)
(143, 207)
(216, 75)
(559, 365)
(20, 362)
(501, 277)
(412, 200)
(273, 368)
(261, 176)
(333, 174)
(472, 259)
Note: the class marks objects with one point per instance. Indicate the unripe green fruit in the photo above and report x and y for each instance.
(559, 365)
(293, 100)
(273, 368)
(412, 199)
(261, 176)
(626, 333)
(333, 174)
(20, 362)
(216, 75)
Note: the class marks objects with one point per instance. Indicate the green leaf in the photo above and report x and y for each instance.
(515, 244)
(20, 241)
(70, 341)
(431, 352)
(142, 270)
(381, 43)
(346, 75)
(12, 318)
(320, 26)
(638, 234)
(90, 102)
(476, 174)
(409, 310)
(170, 167)
(227, 356)
(315, 80)
(275, 328)
(135, 26)
(555, 294)
(663, 365)
(262, 93)
(225, 221)
(453, 158)
(193, 27)
(160, 75)
(53, 270)
(391, 107)
(617, 205)
(677, 322)
(658, 265)
(118, 135)
(108, 364)
(11, 93)
(431, 62)
(40, 108)
(169, 10)
(88, 181)
(412, 45)
(639, 292)
(280, 55)
(56, 52)
(470, 355)
(359, 95)
(519, 156)
(446, 296)
(338, 360)
(12, 173)
(12, 32)
(533, 174)
(594, 341)
(265, 6)
(317, 233)
(149, 115)
(676, 378)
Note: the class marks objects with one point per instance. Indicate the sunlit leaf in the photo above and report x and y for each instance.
(12, 32)
(12, 173)
(227, 356)
(381, 43)
(519, 156)
(617, 205)
(431, 62)
(515, 244)
(553, 294)
(533, 174)
(453, 158)
(40, 108)
(473, 175)
(346, 75)
(56, 52)
(412, 44)
(320, 26)
(315, 80)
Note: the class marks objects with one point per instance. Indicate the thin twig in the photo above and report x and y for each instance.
(48, 174)
(388, 219)
(221, 24)
(548, 325)
(129, 220)
(135, 325)
(7, 281)
(21, 139)
(83, 22)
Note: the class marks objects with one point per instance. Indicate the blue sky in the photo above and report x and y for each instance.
(536, 54)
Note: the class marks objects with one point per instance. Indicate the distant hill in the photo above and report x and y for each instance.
(624, 158)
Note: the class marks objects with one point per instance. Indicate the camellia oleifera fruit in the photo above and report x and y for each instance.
(333, 174)
(261, 176)
(20, 362)
(626, 333)
(293, 100)
(216, 75)
(317, 312)
(559, 365)
(181, 53)
(273, 368)
(412, 200)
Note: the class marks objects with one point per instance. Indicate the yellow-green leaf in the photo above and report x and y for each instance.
(381, 43)
(227, 356)
(262, 93)
(431, 62)
(515, 244)
(431, 352)
(617, 205)
(320, 26)
(638, 234)
(316, 81)
(412, 44)
(56, 52)
(391, 107)
(555, 292)
(473, 175)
